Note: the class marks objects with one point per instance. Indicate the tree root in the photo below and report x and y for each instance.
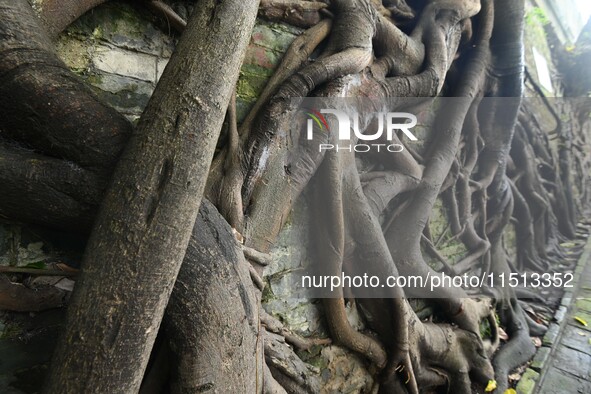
(270, 385)
(273, 325)
(294, 12)
(518, 350)
(57, 15)
(18, 298)
(172, 18)
(287, 368)
(251, 254)
(214, 265)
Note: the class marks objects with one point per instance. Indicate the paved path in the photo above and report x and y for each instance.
(563, 364)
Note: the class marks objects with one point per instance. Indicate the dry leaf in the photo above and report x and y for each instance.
(65, 284)
(514, 377)
(503, 335)
(66, 268)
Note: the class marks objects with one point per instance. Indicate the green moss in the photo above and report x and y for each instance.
(510, 240)
(536, 16)
(535, 36)
(74, 53)
(121, 25)
(251, 82)
(97, 33)
(268, 294)
(109, 18)
(268, 43)
(314, 357)
(10, 330)
(246, 91)
(253, 79)
(450, 248)
(276, 37)
(485, 329)
(528, 382)
(255, 71)
(283, 27)
(584, 304)
(94, 79)
(127, 21)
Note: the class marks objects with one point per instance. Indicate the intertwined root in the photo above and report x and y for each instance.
(486, 170)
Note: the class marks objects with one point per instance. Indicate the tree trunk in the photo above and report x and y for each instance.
(212, 318)
(143, 228)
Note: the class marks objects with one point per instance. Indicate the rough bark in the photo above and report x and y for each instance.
(212, 318)
(65, 112)
(143, 228)
(62, 135)
(16, 297)
(59, 14)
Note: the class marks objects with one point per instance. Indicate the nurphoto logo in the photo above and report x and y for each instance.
(388, 121)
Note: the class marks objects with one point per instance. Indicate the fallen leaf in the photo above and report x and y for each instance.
(514, 377)
(582, 321)
(66, 268)
(65, 284)
(510, 391)
(492, 384)
(503, 335)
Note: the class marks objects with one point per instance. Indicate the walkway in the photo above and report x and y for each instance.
(563, 364)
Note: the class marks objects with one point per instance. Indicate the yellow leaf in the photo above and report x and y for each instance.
(583, 322)
(492, 384)
(510, 391)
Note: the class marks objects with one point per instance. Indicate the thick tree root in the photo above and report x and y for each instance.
(18, 298)
(287, 368)
(295, 12)
(273, 325)
(213, 276)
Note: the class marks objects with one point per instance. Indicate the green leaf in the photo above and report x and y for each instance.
(40, 265)
(581, 321)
